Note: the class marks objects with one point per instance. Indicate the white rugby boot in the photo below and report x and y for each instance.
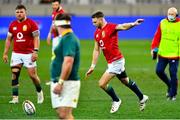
(142, 103)
(115, 106)
(40, 97)
(14, 100)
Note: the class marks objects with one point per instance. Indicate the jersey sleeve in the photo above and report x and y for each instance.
(69, 48)
(10, 29)
(157, 38)
(34, 26)
(113, 28)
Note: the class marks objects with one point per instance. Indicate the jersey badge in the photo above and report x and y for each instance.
(14, 28)
(97, 36)
(24, 27)
(103, 34)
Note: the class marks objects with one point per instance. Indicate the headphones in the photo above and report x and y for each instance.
(177, 15)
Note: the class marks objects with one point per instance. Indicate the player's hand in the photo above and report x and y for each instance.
(88, 73)
(34, 56)
(58, 88)
(5, 58)
(138, 21)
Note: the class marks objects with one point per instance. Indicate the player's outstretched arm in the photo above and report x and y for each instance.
(6, 48)
(126, 26)
(48, 40)
(96, 53)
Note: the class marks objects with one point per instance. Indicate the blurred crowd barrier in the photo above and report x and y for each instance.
(87, 2)
(82, 26)
(87, 7)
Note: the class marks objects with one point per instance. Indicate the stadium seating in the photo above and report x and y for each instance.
(86, 7)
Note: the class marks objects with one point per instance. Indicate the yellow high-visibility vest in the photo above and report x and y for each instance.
(170, 39)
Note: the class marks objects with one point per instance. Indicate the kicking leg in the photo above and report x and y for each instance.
(33, 75)
(132, 85)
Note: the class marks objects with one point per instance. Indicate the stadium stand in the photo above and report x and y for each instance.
(86, 7)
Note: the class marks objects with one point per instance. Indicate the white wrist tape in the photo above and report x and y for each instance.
(93, 65)
(132, 24)
(61, 81)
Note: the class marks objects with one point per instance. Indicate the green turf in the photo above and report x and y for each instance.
(94, 103)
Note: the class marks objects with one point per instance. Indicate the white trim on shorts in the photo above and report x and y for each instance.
(69, 95)
(25, 59)
(116, 67)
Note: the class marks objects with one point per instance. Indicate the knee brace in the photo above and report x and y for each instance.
(15, 75)
(122, 75)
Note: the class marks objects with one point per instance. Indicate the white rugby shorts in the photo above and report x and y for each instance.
(69, 95)
(116, 67)
(25, 59)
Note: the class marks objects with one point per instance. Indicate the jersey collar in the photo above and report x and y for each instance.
(105, 23)
(66, 31)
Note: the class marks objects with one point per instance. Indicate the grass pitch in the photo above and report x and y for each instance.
(93, 102)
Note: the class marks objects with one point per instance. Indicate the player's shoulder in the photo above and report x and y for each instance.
(13, 22)
(111, 24)
(96, 31)
(61, 10)
(30, 20)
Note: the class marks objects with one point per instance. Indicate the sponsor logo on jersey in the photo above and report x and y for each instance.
(24, 27)
(20, 36)
(14, 28)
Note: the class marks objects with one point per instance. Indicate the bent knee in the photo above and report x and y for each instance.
(102, 85)
(125, 80)
(62, 116)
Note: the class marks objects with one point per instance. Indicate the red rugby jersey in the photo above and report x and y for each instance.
(22, 33)
(54, 13)
(107, 39)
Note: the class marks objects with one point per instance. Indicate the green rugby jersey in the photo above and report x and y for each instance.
(68, 46)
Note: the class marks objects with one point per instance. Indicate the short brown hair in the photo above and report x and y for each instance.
(59, 1)
(97, 14)
(20, 6)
